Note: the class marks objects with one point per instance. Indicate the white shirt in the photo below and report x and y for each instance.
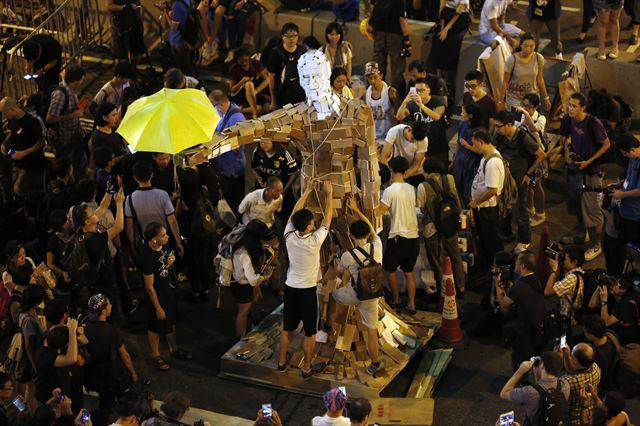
(348, 262)
(330, 421)
(243, 271)
(540, 122)
(492, 9)
(453, 4)
(403, 147)
(493, 179)
(304, 256)
(382, 110)
(253, 206)
(401, 200)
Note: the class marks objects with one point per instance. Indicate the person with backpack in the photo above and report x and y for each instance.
(112, 90)
(63, 117)
(367, 248)
(546, 401)
(440, 205)
(486, 188)
(580, 370)
(25, 146)
(628, 223)
(518, 147)
(585, 140)
(250, 269)
(284, 81)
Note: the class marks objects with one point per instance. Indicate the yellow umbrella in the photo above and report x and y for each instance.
(169, 121)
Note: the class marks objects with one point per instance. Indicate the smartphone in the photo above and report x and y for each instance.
(563, 341)
(61, 397)
(85, 417)
(343, 390)
(506, 419)
(266, 411)
(10, 152)
(412, 90)
(19, 403)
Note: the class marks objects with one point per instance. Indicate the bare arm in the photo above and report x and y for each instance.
(418, 159)
(486, 195)
(104, 205)
(328, 208)
(302, 201)
(540, 156)
(148, 285)
(272, 87)
(71, 356)
(385, 155)
(175, 228)
(126, 360)
(119, 225)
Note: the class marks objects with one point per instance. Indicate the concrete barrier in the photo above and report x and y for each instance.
(620, 76)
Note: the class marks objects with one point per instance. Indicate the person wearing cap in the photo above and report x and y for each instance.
(335, 402)
(545, 369)
(381, 98)
(112, 90)
(104, 341)
(25, 146)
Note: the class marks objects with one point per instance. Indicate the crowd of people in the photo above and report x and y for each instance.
(84, 219)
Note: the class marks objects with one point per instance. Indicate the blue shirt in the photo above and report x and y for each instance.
(179, 12)
(630, 207)
(230, 163)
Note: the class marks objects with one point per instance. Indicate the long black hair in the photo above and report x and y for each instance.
(254, 233)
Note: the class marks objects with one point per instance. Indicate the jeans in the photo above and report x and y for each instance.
(389, 45)
(522, 218)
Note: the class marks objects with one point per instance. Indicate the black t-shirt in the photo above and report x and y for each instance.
(98, 251)
(605, 356)
(280, 164)
(519, 151)
(627, 311)
(56, 246)
(113, 141)
(527, 294)
(154, 263)
(437, 129)
(51, 50)
(48, 376)
(26, 132)
(386, 15)
(104, 341)
(487, 105)
(284, 65)
(437, 84)
(126, 168)
(164, 179)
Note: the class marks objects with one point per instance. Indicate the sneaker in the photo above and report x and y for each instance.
(520, 247)
(322, 336)
(592, 253)
(559, 56)
(537, 219)
(574, 238)
(374, 367)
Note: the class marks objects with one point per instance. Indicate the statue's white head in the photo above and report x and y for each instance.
(315, 75)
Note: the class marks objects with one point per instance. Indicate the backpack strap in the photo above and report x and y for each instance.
(368, 256)
(356, 258)
(579, 276)
(135, 218)
(437, 189)
(65, 94)
(484, 166)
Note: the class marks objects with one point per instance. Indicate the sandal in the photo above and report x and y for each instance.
(161, 364)
(181, 354)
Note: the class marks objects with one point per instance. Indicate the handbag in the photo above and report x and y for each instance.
(370, 283)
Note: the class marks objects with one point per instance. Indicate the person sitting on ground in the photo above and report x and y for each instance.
(335, 402)
(339, 83)
(492, 23)
(248, 81)
(127, 413)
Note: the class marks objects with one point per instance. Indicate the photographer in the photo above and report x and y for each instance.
(624, 316)
(545, 368)
(526, 298)
(585, 141)
(605, 346)
(629, 194)
(570, 289)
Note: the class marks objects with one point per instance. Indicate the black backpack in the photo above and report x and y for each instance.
(205, 218)
(447, 213)
(289, 72)
(553, 408)
(382, 10)
(75, 260)
(191, 33)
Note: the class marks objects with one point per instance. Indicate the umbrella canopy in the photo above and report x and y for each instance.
(169, 121)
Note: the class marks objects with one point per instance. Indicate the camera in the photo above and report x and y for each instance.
(605, 280)
(573, 159)
(536, 361)
(504, 272)
(606, 190)
(404, 53)
(112, 185)
(553, 250)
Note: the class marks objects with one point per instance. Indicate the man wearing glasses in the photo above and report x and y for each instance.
(420, 105)
(284, 81)
(475, 94)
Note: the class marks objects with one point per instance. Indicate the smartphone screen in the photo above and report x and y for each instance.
(266, 411)
(412, 90)
(19, 403)
(506, 419)
(85, 417)
(563, 341)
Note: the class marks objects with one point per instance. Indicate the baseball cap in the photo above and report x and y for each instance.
(97, 303)
(371, 68)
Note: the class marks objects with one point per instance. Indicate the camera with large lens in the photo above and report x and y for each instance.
(504, 272)
(553, 250)
(605, 280)
(572, 165)
(606, 190)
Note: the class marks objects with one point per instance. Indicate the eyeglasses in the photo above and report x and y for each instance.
(527, 106)
(290, 36)
(499, 126)
(470, 85)
(421, 90)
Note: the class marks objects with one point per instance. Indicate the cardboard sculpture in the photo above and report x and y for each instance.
(336, 140)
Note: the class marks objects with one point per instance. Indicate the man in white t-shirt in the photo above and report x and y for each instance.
(487, 185)
(364, 236)
(304, 243)
(263, 203)
(410, 142)
(492, 22)
(399, 199)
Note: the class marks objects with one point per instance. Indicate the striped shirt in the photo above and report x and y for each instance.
(566, 287)
(576, 385)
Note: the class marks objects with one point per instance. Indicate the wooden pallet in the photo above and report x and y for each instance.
(254, 358)
(429, 372)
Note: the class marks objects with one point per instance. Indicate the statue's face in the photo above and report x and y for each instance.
(315, 74)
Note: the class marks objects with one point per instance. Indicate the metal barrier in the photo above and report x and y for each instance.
(76, 24)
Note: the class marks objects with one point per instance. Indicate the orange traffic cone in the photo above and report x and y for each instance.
(447, 274)
(450, 334)
(542, 264)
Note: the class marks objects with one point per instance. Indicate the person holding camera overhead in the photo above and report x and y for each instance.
(619, 308)
(570, 289)
(585, 140)
(526, 297)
